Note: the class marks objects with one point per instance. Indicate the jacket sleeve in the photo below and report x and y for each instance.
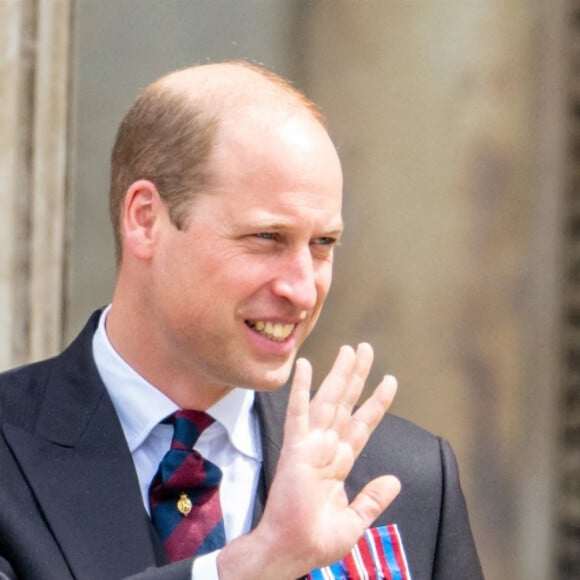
(177, 571)
(6, 571)
(455, 555)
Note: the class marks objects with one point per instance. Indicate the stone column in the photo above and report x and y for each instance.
(34, 67)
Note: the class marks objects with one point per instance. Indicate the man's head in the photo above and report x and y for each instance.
(168, 134)
(227, 257)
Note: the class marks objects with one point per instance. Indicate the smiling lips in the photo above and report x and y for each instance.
(272, 330)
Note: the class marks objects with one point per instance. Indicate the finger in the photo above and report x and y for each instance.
(363, 362)
(332, 388)
(364, 421)
(374, 498)
(297, 413)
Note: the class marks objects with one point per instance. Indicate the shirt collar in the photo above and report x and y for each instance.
(235, 413)
(141, 406)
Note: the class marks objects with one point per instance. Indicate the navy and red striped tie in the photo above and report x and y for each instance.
(184, 494)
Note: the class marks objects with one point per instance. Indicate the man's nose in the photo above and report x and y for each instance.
(296, 279)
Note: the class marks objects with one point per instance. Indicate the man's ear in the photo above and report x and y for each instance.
(142, 210)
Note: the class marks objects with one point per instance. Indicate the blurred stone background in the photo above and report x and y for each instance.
(457, 123)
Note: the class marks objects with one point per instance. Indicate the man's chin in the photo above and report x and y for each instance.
(272, 380)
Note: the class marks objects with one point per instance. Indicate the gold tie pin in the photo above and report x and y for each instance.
(184, 504)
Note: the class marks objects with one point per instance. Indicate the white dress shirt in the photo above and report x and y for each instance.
(232, 442)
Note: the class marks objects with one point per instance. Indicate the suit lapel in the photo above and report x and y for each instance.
(79, 467)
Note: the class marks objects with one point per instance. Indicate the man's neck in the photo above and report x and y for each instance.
(185, 389)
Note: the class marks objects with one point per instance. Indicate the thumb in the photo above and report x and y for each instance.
(374, 498)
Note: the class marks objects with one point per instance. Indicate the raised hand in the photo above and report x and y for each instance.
(308, 521)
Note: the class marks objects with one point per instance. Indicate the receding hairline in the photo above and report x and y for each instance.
(227, 87)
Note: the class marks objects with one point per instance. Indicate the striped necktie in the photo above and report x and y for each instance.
(184, 493)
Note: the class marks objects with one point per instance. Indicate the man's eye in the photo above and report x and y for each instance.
(325, 241)
(267, 236)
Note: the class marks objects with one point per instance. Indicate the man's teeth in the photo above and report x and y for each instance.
(273, 330)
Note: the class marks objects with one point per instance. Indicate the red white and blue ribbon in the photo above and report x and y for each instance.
(378, 555)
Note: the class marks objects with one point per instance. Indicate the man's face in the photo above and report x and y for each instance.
(237, 291)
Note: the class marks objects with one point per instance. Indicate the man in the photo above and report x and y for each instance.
(226, 205)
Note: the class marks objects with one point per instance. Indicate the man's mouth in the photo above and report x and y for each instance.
(272, 330)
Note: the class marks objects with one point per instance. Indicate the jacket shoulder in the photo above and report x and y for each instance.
(406, 450)
(22, 389)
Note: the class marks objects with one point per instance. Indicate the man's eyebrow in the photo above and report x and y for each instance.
(334, 229)
(268, 224)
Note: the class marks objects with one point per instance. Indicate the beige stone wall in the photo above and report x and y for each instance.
(439, 113)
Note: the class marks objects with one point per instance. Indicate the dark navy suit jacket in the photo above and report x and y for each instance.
(70, 506)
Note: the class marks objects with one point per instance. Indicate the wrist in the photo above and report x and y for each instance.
(254, 556)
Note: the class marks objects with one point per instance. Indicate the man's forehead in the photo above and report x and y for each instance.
(291, 157)
(259, 126)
